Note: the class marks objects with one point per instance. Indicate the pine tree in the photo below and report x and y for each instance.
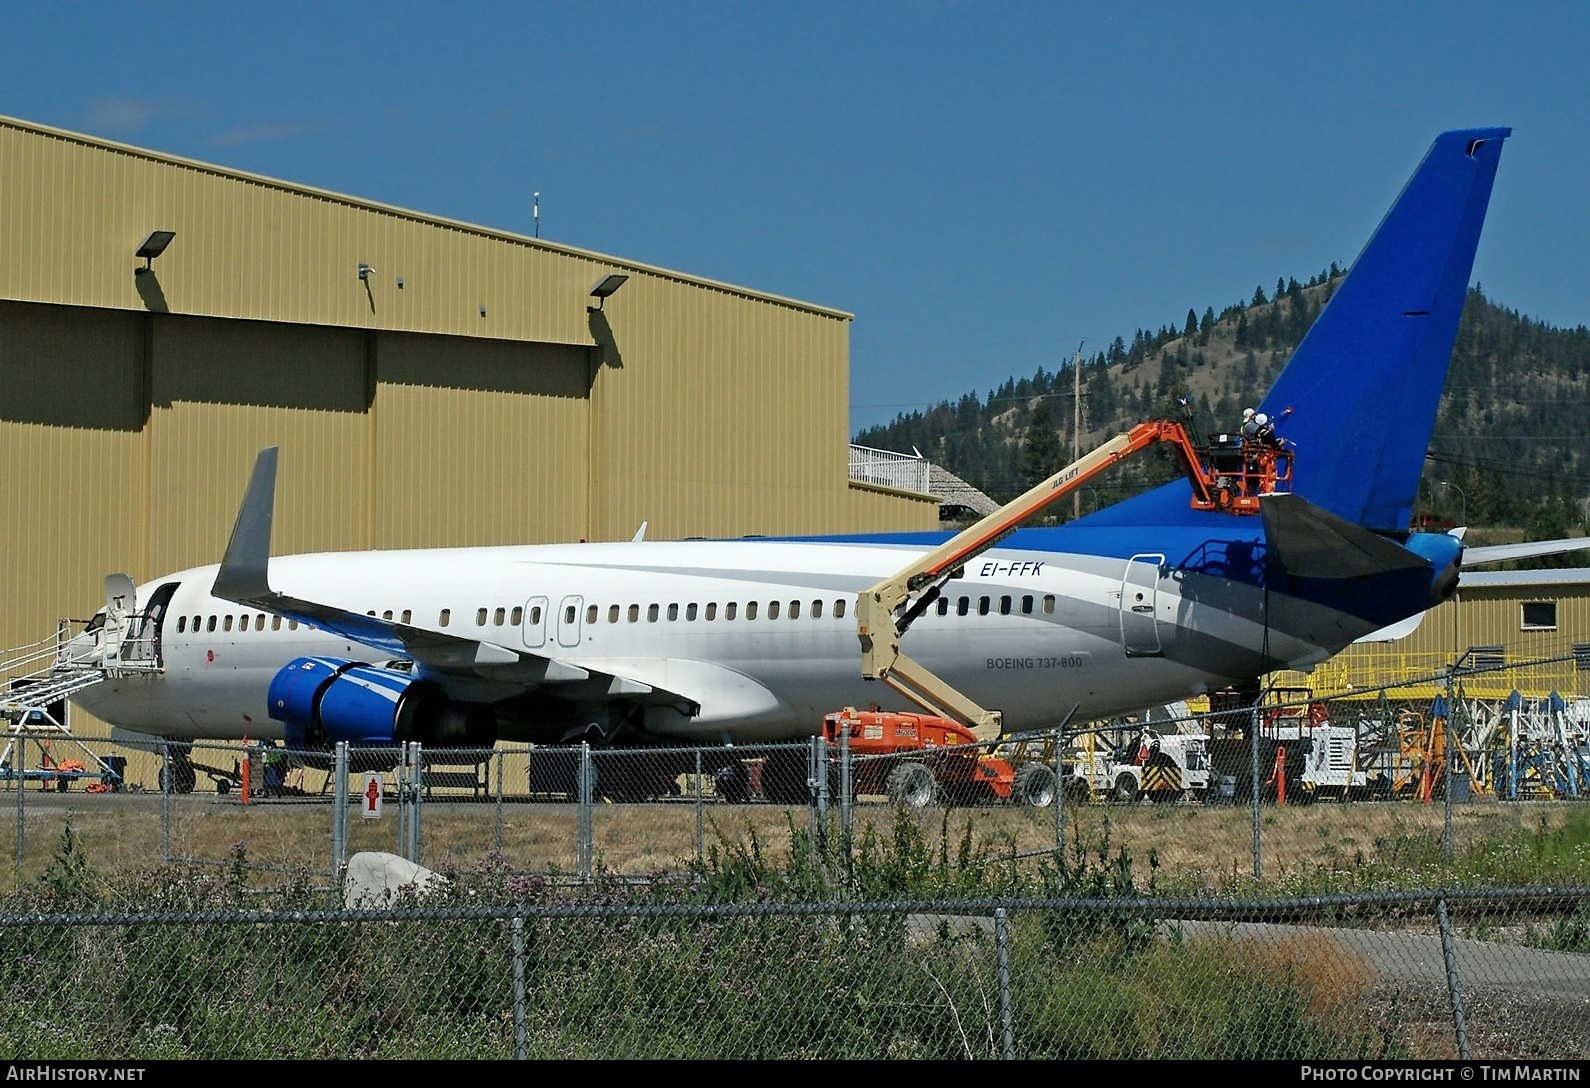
(1040, 446)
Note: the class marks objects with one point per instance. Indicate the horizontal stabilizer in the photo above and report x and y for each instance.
(1501, 553)
(1396, 631)
(1310, 542)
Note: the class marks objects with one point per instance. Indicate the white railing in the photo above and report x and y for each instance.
(906, 471)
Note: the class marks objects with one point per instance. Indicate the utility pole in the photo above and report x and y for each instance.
(1076, 422)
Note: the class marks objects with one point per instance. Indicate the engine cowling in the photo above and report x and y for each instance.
(323, 700)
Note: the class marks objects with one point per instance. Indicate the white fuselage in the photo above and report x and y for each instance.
(761, 634)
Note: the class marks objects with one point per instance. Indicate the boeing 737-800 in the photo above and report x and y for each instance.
(1144, 602)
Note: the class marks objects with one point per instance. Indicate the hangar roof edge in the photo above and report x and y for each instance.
(620, 263)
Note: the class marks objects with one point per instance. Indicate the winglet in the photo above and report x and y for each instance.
(243, 573)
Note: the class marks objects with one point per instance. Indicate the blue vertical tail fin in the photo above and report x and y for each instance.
(1365, 382)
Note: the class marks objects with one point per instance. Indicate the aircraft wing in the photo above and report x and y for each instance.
(243, 578)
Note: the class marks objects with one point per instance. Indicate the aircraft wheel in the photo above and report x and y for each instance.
(1127, 788)
(179, 779)
(1033, 786)
(912, 785)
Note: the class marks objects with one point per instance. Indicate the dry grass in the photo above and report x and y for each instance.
(1178, 846)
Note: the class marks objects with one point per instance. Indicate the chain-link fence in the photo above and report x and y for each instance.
(1258, 791)
(1423, 975)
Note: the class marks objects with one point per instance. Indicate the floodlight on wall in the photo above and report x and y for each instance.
(153, 246)
(605, 287)
(364, 271)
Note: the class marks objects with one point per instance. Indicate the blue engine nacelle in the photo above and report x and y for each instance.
(323, 700)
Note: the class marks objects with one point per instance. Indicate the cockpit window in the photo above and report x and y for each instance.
(96, 623)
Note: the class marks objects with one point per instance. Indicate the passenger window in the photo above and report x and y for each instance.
(673, 613)
(750, 610)
(480, 617)
(276, 622)
(182, 624)
(226, 623)
(982, 606)
(210, 624)
(1004, 606)
(500, 616)
(1026, 605)
(963, 605)
(944, 606)
(591, 613)
(1048, 604)
(568, 614)
(839, 609)
(772, 610)
(794, 610)
(651, 613)
(292, 625)
(634, 613)
(612, 613)
(817, 610)
(729, 610)
(535, 616)
(387, 614)
(408, 616)
(712, 610)
(445, 615)
(690, 612)
(516, 617)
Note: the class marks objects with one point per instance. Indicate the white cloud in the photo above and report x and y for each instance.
(256, 134)
(122, 115)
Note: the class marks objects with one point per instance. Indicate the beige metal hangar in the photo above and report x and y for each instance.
(430, 383)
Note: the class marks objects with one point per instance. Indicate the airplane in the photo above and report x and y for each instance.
(734, 642)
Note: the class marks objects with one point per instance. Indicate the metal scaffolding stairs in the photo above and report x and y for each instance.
(37, 679)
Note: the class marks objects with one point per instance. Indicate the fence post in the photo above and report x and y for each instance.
(701, 814)
(416, 798)
(1253, 788)
(165, 801)
(1449, 954)
(518, 989)
(339, 810)
(584, 831)
(1002, 949)
(816, 799)
(845, 790)
(496, 838)
(1059, 800)
(20, 766)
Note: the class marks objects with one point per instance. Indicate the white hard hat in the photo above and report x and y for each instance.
(1247, 412)
(1261, 419)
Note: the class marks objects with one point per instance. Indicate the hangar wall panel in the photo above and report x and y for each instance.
(717, 418)
(480, 442)
(72, 490)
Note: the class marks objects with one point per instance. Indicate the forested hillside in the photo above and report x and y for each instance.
(1506, 452)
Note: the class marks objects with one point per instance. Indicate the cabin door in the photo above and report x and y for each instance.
(1140, 606)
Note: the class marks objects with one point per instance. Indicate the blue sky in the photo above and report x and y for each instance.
(983, 185)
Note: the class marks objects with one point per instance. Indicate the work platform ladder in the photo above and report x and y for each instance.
(36, 680)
